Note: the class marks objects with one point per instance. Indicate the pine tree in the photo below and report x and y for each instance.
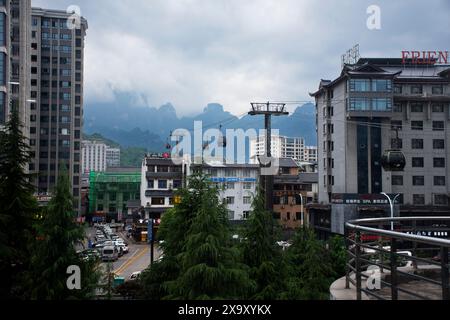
(173, 231)
(260, 253)
(17, 207)
(209, 266)
(309, 268)
(55, 251)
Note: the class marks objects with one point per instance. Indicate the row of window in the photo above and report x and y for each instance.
(232, 186)
(438, 181)
(163, 184)
(418, 89)
(163, 169)
(54, 131)
(418, 144)
(366, 104)
(419, 199)
(418, 125)
(232, 200)
(370, 85)
(47, 36)
(229, 173)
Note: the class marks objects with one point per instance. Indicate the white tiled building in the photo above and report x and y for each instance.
(93, 156)
(112, 157)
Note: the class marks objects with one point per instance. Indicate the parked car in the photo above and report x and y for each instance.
(110, 253)
(135, 275)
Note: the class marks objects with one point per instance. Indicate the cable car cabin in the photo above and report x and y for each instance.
(393, 160)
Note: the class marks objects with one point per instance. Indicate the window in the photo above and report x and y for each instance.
(416, 125)
(158, 201)
(418, 180)
(397, 180)
(150, 184)
(247, 200)
(230, 215)
(177, 184)
(439, 181)
(416, 107)
(417, 163)
(438, 144)
(438, 107)
(439, 162)
(416, 89)
(381, 104)
(419, 199)
(381, 85)
(359, 85)
(162, 184)
(441, 199)
(437, 90)
(417, 143)
(398, 89)
(230, 185)
(229, 200)
(359, 104)
(230, 173)
(398, 107)
(438, 125)
(247, 185)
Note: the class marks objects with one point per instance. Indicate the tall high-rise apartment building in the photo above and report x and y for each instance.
(283, 147)
(15, 24)
(93, 156)
(56, 121)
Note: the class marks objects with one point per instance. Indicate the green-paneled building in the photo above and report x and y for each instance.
(110, 191)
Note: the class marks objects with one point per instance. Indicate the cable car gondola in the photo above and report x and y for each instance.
(394, 160)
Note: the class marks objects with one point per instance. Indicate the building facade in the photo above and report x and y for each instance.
(111, 191)
(112, 157)
(293, 192)
(56, 121)
(283, 147)
(237, 184)
(358, 115)
(160, 179)
(15, 24)
(93, 156)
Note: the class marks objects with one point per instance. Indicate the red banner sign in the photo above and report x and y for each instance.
(425, 57)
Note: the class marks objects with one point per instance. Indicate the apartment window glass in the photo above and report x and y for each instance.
(2, 69)
(162, 184)
(417, 143)
(381, 104)
(417, 162)
(437, 89)
(177, 184)
(230, 185)
(156, 201)
(418, 180)
(247, 200)
(439, 162)
(438, 125)
(416, 125)
(416, 89)
(440, 199)
(229, 200)
(230, 215)
(359, 85)
(438, 107)
(247, 185)
(397, 180)
(359, 104)
(398, 89)
(438, 144)
(439, 181)
(416, 107)
(419, 199)
(381, 85)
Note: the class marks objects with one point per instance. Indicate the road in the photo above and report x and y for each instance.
(137, 259)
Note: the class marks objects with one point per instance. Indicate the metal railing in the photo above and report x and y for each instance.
(415, 251)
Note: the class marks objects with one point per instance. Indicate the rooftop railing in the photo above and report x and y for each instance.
(409, 260)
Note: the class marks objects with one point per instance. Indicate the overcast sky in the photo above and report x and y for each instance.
(233, 52)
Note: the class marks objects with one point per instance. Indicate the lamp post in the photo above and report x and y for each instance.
(391, 203)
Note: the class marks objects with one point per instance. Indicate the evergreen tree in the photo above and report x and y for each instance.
(17, 207)
(260, 253)
(173, 231)
(55, 250)
(209, 266)
(338, 256)
(309, 268)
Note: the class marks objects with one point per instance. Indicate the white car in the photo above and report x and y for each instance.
(135, 275)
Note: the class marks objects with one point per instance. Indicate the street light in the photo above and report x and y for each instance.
(391, 203)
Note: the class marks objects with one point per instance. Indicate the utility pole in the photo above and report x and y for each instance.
(268, 110)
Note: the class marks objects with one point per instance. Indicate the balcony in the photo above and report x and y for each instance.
(164, 175)
(396, 259)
